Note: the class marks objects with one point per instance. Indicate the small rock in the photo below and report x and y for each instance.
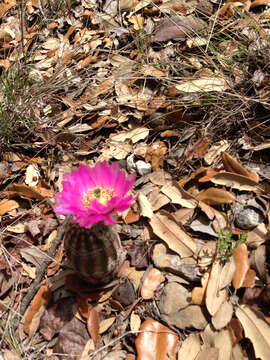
(173, 263)
(190, 317)
(125, 293)
(131, 166)
(143, 168)
(248, 217)
(174, 298)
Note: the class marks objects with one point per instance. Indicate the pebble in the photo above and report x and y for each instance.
(143, 168)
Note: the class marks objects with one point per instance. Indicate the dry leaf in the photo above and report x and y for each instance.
(36, 309)
(213, 154)
(152, 281)
(155, 342)
(198, 149)
(145, 206)
(204, 84)
(223, 316)
(155, 153)
(134, 135)
(234, 181)
(7, 205)
(135, 322)
(215, 196)
(106, 324)
(214, 296)
(233, 166)
(242, 266)
(198, 293)
(179, 196)
(256, 329)
(190, 348)
(168, 230)
(93, 324)
(24, 191)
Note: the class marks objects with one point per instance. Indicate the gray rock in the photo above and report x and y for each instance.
(190, 317)
(143, 168)
(174, 298)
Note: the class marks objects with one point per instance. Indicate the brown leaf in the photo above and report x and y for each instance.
(24, 191)
(41, 298)
(155, 153)
(242, 266)
(155, 342)
(54, 266)
(233, 166)
(198, 149)
(259, 3)
(83, 305)
(178, 28)
(7, 205)
(209, 173)
(250, 278)
(132, 217)
(236, 330)
(215, 196)
(93, 324)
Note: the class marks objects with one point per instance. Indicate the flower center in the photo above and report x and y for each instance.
(102, 195)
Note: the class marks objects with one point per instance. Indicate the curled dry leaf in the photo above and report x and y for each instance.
(155, 153)
(242, 266)
(155, 342)
(233, 166)
(215, 196)
(152, 281)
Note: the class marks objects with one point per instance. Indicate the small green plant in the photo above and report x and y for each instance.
(227, 245)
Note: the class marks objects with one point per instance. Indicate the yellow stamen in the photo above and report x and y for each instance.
(102, 195)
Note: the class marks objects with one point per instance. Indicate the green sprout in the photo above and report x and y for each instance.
(227, 245)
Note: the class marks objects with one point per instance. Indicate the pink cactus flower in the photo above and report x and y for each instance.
(95, 194)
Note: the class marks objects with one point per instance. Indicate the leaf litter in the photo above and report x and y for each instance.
(104, 84)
